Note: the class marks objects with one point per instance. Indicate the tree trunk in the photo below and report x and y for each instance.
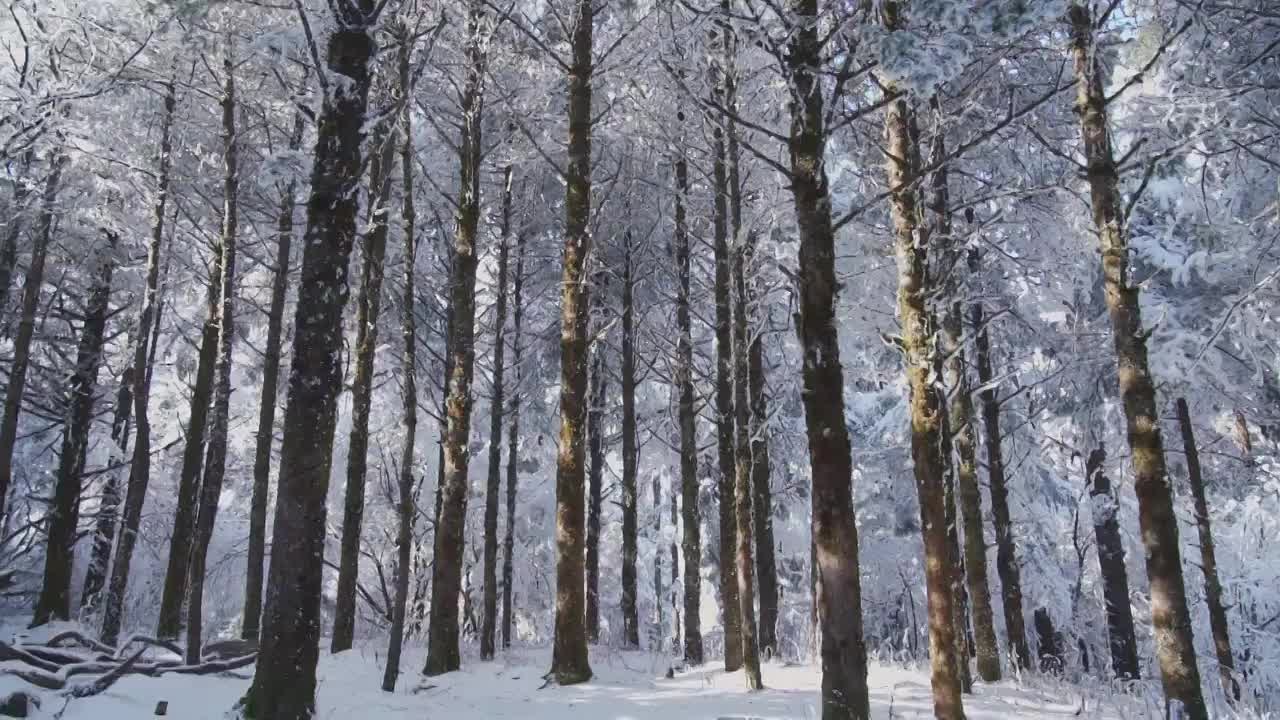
(742, 451)
(140, 467)
(446, 577)
(1175, 651)
(569, 663)
(9, 250)
(267, 405)
(488, 630)
(54, 602)
(104, 531)
(1115, 580)
(835, 534)
(598, 391)
(408, 367)
(762, 504)
(630, 542)
(215, 465)
(1218, 624)
(368, 308)
(659, 623)
(691, 537)
(513, 447)
(284, 682)
(43, 233)
(911, 244)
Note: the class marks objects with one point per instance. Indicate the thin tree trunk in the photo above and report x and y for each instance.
(598, 389)
(443, 654)
(54, 602)
(630, 541)
(569, 663)
(368, 308)
(1115, 579)
(1218, 624)
(9, 249)
(835, 534)
(284, 682)
(104, 530)
(488, 629)
(513, 448)
(43, 233)
(267, 405)
(215, 466)
(1171, 619)
(408, 367)
(140, 467)
(742, 484)
(691, 537)
(762, 503)
(674, 551)
(660, 624)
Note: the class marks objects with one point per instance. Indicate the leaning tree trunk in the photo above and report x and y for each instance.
(443, 654)
(140, 467)
(569, 663)
(513, 447)
(835, 533)
(104, 530)
(911, 244)
(630, 529)
(215, 466)
(43, 233)
(1208, 560)
(691, 538)
(408, 367)
(1171, 619)
(1115, 580)
(488, 628)
(54, 602)
(284, 682)
(267, 405)
(368, 308)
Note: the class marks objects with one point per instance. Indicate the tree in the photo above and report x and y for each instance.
(1115, 579)
(598, 390)
(630, 541)
(513, 446)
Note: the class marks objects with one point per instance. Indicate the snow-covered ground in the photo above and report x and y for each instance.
(627, 686)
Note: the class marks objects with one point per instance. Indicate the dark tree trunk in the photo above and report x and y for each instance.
(1049, 641)
(1006, 556)
(54, 602)
(104, 530)
(1218, 624)
(569, 663)
(408, 367)
(598, 390)
(488, 628)
(742, 452)
(148, 318)
(443, 654)
(215, 466)
(284, 682)
(691, 538)
(630, 543)
(513, 448)
(835, 534)
(1115, 580)
(368, 308)
(659, 622)
(762, 504)
(267, 405)
(1171, 619)
(43, 233)
(9, 248)
(674, 552)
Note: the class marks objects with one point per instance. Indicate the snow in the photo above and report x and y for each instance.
(627, 686)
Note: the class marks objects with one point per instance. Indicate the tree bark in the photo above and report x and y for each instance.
(488, 630)
(597, 392)
(368, 308)
(1171, 619)
(284, 682)
(443, 654)
(1115, 579)
(659, 622)
(630, 541)
(148, 316)
(54, 602)
(835, 534)
(569, 663)
(9, 250)
(1218, 624)
(742, 451)
(267, 405)
(104, 531)
(762, 503)
(513, 448)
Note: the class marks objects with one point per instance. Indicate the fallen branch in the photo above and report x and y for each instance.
(49, 676)
(101, 684)
(81, 639)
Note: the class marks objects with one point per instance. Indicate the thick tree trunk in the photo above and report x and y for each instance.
(691, 537)
(284, 682)
(1218, 624)
(443, 654)
(368, 308)
(1171, 619)
(835, 534)
(911, 244)
(408, 368)
(215, 466)
(598, 391)
(54, 602)
(148, 318)
(267, 405)
(43, 233)
(488, 629)
(513, 450)
(1115, 579)
(630, 542)
(569, 663)
(742, 479)
(104, 531)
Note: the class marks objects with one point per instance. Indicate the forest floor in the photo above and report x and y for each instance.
(627, 686)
